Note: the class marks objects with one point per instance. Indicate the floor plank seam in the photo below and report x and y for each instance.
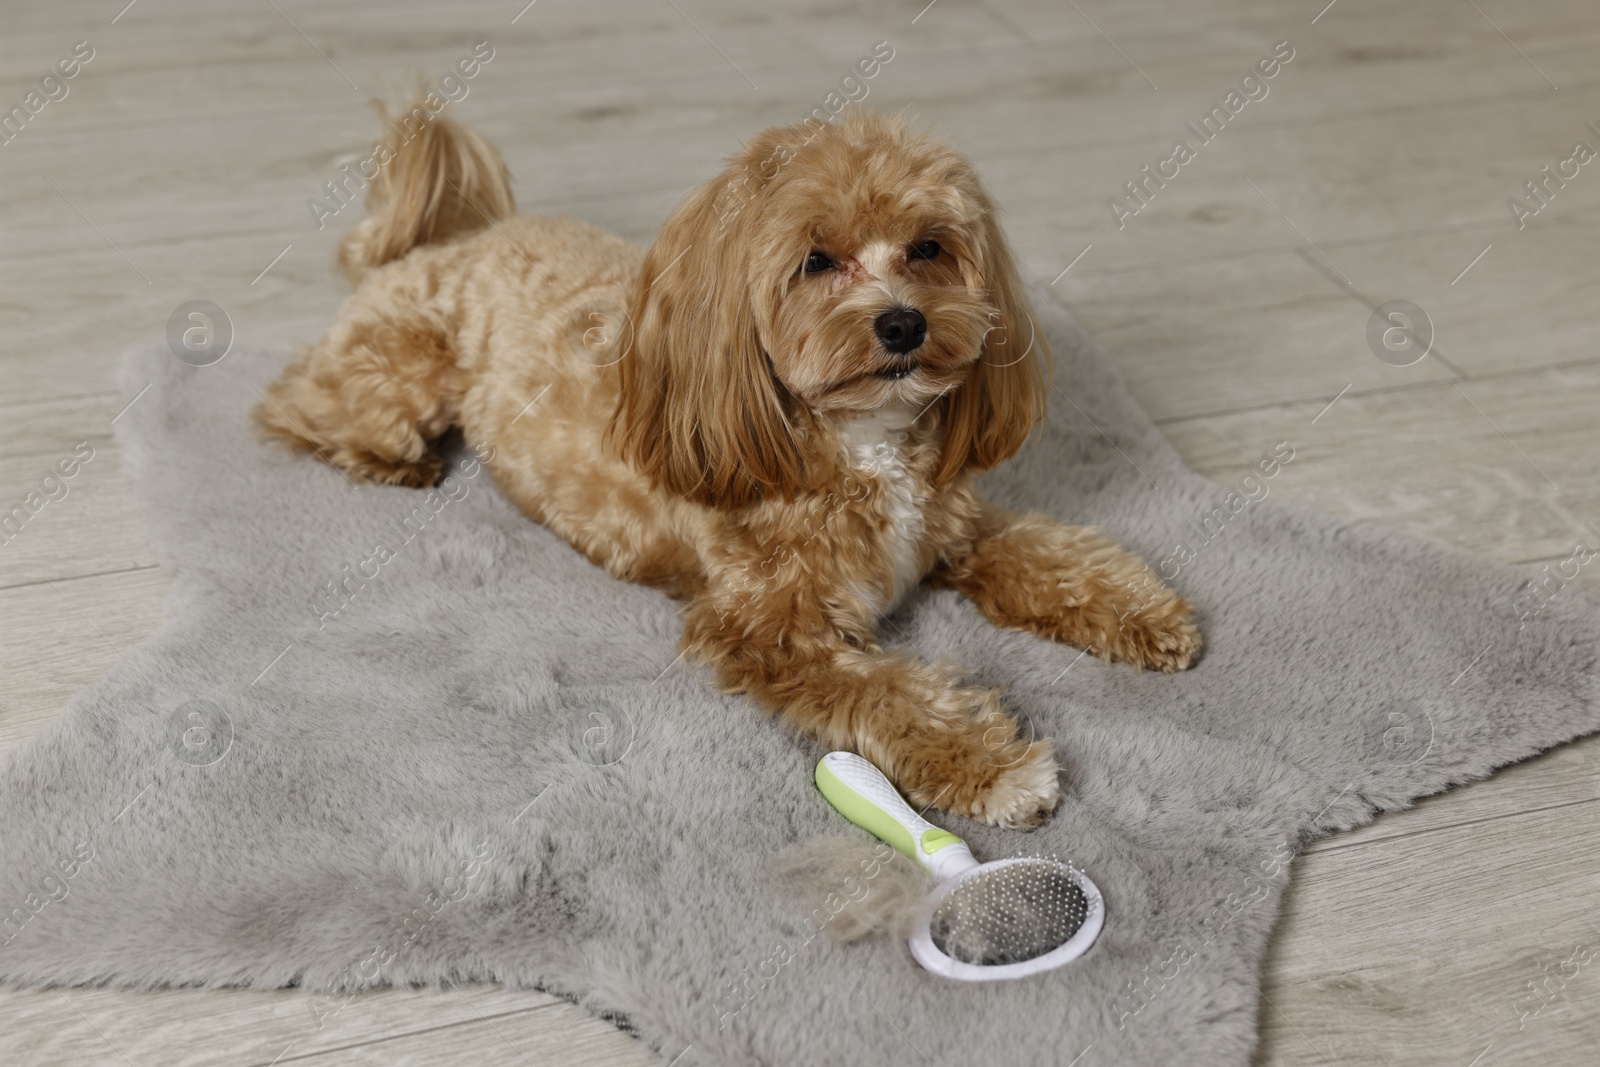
(1255, 409)
(477, 1020)
(60, 579)
(1334, 846)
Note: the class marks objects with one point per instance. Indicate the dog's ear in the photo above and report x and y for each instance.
(991, 414)
(700, 412)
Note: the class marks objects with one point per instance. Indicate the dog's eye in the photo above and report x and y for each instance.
(817, 262)
(925, 250)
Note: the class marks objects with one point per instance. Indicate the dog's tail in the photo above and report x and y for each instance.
(435, 179)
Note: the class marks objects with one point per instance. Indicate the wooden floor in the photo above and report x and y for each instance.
(1377, 168)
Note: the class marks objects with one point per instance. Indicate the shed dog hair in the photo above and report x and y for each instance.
(773, 413)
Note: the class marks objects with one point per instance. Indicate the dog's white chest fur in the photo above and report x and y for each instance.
(876, 444)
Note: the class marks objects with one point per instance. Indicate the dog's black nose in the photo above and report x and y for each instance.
(901, 330)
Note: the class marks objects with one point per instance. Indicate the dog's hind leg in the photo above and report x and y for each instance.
(384, 383)
(372, 395)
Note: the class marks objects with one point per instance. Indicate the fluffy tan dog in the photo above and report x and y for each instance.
(773, 413)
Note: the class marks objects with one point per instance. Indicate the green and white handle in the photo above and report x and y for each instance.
(860, 792)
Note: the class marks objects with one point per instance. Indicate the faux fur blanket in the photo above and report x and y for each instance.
(402, 736)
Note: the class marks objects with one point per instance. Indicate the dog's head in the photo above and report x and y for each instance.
(830, 268)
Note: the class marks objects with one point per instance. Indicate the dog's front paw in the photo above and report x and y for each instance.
(970, 761)
(1022, 796)
(1160, 635)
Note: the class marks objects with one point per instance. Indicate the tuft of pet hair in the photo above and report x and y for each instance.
(856, 888)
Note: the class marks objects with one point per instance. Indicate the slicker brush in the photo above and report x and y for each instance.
(984, 921)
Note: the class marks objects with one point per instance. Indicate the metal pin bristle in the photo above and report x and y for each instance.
(1010, 912)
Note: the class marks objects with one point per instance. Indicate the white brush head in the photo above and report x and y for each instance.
(1009, 919)
(1004, 919)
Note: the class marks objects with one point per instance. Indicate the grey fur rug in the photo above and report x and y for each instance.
(473, 755)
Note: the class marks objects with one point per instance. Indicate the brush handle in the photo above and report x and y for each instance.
(859, 791)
